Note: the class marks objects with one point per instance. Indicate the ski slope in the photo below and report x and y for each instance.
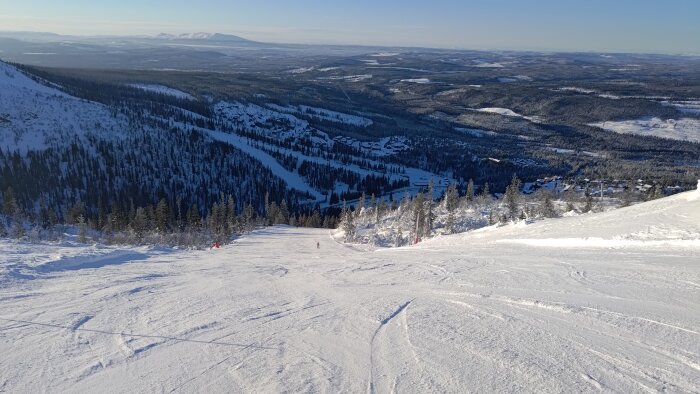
(486, 311)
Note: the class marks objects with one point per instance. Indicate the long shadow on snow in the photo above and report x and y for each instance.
(85, 262)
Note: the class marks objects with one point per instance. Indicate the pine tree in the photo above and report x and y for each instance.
(547, 208)
(18, 223)
(418, 217)
(485, 195)
(248, 217)
(450, 222)
(569, 198)
(628, 194)
(429, 215)
(179, 222)
(82, 229)
(271, 213)
(194, 219)
(347, 224)
(588, 205)
(451, 198)
(9, 202)
(512, 198)
(116, 218)
(139, 224)
(162, 214)
(470, 191)
(43, 213)
(399, 238)
(213, 219)
(284, 212)
(314, 220)
(101, 214)
(231, 213)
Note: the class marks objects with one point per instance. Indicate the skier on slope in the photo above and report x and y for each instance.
(318, 245)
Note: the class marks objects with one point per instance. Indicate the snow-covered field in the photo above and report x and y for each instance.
(489, 311)
(685, 129)
(163, 90)
(509, 112)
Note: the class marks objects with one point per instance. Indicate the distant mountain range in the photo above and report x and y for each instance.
(53, 37)
(202, 36)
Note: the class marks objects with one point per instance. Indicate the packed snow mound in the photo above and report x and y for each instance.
(670, 221)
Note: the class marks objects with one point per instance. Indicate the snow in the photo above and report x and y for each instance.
(292, 179)
(34, 116)
(385, 54)
(515, 78)
(686, 106)
(509, 112)
(575, 90)
(163, 90)
(323, 114)
(475, 312)
(349, 78)
(489, 65)
(684, 129)
(417, 80)
(301, 70)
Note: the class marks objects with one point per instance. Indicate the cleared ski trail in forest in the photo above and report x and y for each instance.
(479, 312)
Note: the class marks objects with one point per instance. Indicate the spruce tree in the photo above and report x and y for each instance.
(485, 195)
(162, 215)
(231, 213)
(194, 219)
(451, 198)
(82, 229)
(347, 224)
(418, 217)
(512, 198)
(470, 191)
(547, 208)
(628, 195)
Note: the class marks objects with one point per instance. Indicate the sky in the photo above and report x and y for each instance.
(661, 26)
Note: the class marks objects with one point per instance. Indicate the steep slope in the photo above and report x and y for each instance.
(272, 312)
(34, 116)
(64, 149)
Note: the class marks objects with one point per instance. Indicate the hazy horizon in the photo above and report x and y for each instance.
(547, 25)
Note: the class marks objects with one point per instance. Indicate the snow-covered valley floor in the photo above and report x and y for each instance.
(494, 310)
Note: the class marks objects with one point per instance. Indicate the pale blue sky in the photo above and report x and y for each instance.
(593, 25)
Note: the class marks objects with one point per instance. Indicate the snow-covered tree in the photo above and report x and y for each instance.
(470, 191)
(451, 199)
(512, 198)
(347, 224)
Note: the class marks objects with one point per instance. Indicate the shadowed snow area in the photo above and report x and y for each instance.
(498, 310)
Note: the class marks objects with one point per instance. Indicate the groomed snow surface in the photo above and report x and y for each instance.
(486, 311)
